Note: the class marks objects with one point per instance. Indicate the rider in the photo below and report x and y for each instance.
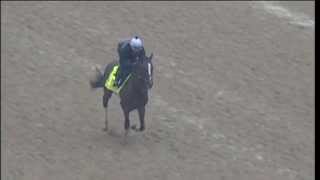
(129, 51)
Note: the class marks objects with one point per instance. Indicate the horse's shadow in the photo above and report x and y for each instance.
(114, 138)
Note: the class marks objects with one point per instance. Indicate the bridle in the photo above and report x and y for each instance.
(147, 80)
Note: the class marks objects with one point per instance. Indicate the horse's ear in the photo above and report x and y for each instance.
(150, 57)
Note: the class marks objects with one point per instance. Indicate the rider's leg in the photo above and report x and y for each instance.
(120, 71)
(124, 72)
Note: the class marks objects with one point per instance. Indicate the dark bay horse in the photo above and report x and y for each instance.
(133, 95)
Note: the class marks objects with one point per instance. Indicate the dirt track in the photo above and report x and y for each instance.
(233, 97)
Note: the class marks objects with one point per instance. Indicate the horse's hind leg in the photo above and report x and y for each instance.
(106, 96)
(141, 111)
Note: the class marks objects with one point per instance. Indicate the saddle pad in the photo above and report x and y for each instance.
(110, 82)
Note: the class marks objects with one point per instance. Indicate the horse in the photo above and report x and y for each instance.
(134, 93)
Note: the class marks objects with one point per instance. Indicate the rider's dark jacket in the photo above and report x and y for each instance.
(127, 57)
(126, 54)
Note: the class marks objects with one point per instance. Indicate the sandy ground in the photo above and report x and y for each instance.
(233, 97)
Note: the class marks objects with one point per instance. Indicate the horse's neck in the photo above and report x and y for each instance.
(132, 88)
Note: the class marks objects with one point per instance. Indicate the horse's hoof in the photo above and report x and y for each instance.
(141, 129)
(134, 127)
(105, 129)
(126, 132)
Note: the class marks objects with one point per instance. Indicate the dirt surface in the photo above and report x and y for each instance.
(233, 97)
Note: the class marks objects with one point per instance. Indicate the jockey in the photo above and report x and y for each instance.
(129, 51)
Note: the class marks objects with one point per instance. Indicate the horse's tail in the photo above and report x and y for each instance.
(96, 80)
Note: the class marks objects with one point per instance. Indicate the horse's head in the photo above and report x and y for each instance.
(143, 70)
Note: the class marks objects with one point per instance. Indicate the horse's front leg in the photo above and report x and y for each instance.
(106, 96)
(126, 121)
(141, 112)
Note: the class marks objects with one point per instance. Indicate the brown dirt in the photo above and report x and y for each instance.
(233, 97)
